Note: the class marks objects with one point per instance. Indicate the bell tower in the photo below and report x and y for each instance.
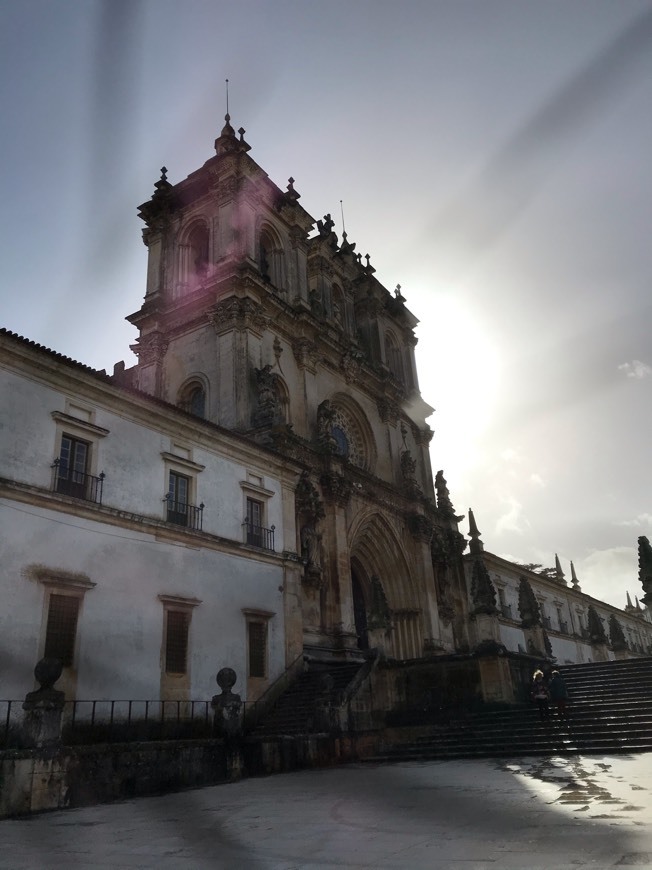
(258, 318)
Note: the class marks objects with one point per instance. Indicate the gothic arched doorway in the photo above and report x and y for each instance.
(359, 611)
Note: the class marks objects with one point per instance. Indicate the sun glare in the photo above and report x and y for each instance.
(459, 374)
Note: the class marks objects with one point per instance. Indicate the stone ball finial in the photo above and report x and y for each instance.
(47, 672)
(226, 679)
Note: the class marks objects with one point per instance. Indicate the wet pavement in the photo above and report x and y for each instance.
(530, 813)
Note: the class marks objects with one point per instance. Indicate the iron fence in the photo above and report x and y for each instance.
(182, 514)
(77, 484)
(258, 536)
(100, 721)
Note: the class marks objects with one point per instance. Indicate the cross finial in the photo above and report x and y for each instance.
(227, 100)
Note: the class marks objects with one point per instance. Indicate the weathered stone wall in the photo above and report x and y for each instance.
(33, 781)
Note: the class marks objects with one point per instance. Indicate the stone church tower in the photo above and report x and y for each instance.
(282, 333)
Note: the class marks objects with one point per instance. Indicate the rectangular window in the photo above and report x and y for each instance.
(254, 522)
(176, 641)
(257, 632)
(178, 496)
(61, 631)
(72, 477)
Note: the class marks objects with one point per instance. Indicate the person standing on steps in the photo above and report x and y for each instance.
(558, 694)
(540, 694)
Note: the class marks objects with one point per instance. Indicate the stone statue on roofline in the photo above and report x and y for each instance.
(528, 606)
(645, 568)
(483, 593)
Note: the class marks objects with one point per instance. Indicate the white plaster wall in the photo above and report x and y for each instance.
(26, 407)
(512, 637)
(130, 455)
(120, 628)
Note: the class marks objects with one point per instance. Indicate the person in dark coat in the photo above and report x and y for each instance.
(558, 693)
(540, 694)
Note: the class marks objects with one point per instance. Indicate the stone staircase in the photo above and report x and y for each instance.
(294, 712)
(610, 710)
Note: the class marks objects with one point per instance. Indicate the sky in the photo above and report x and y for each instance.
(492, 157)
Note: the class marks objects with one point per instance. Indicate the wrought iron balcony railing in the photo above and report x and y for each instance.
(77, 484)
(258, 536)
(182, 514)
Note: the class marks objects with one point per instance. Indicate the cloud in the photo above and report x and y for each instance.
(537, 480)
(511, 520)
(511, 455)
(638, 522)
(610, 574)
(635, 369)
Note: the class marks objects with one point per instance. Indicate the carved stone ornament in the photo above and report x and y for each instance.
(235, 313)
(305, 353)
(408, 473)
(446, 546)
(350, 366)
(227, 187)
(308, 503)
(483, 594)
(336, 487)
(422, 437)
(446, 611)
(150, 348)
(420, 527)
(388, 411)
(528, 606)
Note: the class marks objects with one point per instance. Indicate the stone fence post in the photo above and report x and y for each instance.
(44, 708)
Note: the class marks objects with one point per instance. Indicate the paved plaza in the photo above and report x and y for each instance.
(530, 814)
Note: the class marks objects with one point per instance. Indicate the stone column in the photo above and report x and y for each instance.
(337, 615)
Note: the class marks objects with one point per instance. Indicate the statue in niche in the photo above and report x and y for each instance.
(311, 548)
(269, 406)
(325, 422)
(316, 305)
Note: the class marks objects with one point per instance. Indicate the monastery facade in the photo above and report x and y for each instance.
(257, 489)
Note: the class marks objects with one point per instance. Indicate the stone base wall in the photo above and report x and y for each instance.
(33, 781)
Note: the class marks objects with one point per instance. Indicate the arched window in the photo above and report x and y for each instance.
(198, 243)
(193, 258)
(192, 399)
(394, 357)
(270, 258)
(264, 256)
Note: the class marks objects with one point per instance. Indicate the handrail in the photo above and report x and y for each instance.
(255, 711)
(365, 671)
